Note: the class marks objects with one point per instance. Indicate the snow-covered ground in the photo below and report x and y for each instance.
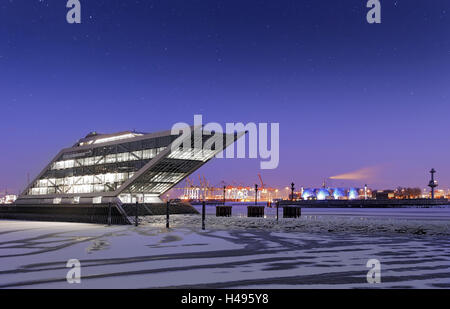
(317, 251)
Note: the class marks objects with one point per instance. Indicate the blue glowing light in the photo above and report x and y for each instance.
(338, 193)
(322, 194)
(353, 194)
(307, 193)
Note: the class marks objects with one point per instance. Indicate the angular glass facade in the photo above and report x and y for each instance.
(123, 165)
(100, 169)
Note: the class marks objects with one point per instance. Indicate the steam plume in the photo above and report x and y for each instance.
(363, 173)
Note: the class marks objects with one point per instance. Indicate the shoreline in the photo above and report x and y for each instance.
(308, 224)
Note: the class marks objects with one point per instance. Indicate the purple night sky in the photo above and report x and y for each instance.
(348, 95)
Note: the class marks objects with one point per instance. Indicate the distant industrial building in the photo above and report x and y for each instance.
(383, 194)
(228, 193)
(334, 193)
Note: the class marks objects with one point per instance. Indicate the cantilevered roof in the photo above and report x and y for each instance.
(97, 138)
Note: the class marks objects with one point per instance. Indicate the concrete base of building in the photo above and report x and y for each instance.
(90, 213)
(64, 213)
(156, 209)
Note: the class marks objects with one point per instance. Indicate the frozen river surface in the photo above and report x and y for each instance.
(316, 251)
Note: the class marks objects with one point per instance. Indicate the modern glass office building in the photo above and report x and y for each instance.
(125, 167)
